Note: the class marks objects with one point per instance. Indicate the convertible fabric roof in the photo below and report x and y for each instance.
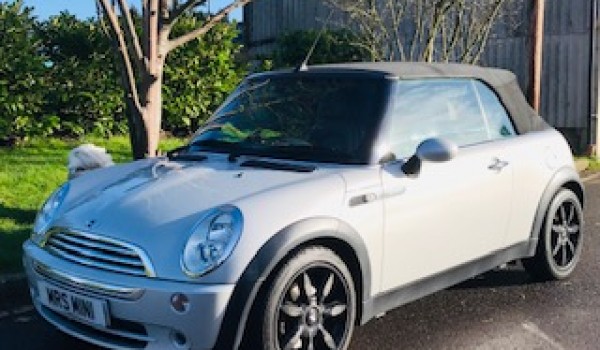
(502, 81)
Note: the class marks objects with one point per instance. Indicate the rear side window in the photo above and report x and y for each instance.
(499, 122)
(464, 111)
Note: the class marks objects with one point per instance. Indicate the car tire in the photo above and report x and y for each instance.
(560, 241)
(311, 303)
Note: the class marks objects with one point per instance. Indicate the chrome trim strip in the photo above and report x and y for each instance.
(148, 269)
(79, 283)
(94, 244)
(94, 254)
(88, 262)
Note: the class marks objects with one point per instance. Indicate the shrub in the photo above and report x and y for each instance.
(21, 76)
(199, 75)
(84, 90)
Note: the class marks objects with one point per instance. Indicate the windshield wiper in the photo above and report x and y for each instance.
(232, 148)
(310, 152)
(214, 144)
(180, 153)
(278, 166)
(183, 153)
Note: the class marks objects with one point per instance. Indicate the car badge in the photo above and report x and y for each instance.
(90, 224)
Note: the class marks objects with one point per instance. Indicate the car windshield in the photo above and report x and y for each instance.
(299, 117)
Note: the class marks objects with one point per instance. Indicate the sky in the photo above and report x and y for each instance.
(87, 8)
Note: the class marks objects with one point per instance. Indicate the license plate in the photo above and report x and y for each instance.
(83, 308)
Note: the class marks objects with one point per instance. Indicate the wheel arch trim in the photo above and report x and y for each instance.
(273, 253)
(565, 177)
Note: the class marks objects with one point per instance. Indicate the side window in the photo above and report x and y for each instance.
(446, 108)
(499, 122)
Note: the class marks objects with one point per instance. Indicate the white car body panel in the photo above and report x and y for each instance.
(164, 209)
(282, 206)
(438, 214)
(536, 157)
(366, 219)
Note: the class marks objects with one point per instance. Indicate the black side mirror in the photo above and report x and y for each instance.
(430, 150)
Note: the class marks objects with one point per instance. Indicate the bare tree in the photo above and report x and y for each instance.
(142, 56)
(422, 30)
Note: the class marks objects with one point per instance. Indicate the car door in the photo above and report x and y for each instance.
(453, 212)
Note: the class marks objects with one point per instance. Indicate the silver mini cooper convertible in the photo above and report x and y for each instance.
(312, 201)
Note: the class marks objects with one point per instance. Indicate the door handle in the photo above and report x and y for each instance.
(498, 165)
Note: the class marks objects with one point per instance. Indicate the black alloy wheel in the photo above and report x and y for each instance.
(312, 303)
(561, 239)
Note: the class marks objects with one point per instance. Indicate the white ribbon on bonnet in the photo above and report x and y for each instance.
(87, 157)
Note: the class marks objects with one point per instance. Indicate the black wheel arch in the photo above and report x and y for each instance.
(331, 233)
(564, 178)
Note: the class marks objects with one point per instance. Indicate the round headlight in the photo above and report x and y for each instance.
(212, 241)
(46, 215)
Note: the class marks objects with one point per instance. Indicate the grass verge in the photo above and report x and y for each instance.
(594, 164)
(28, 174)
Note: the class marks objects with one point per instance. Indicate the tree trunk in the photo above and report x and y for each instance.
(143, 60)
(137, 130)
(145, 123)
(153, 110)
(135, 119)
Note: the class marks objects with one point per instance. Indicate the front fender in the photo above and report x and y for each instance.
(272, 253)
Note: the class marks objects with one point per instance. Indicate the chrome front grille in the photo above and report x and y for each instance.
(98, 252)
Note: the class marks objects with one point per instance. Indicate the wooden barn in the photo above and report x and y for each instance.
(570, 77)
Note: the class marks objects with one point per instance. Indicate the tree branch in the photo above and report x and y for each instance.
(444, 40)
(168, 22)
(457, 28)
(439, 13)
(145, 10)
(132, 34)
(131, 84)
(180, 10)
(184, 39)
(486, 31)
(102, 21)
(396, 16)
(152, 35)
(419, 33)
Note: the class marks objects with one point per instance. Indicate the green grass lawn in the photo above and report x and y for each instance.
(594, 164)
(28, 174)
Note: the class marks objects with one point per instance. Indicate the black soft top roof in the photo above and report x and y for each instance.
(502, 81)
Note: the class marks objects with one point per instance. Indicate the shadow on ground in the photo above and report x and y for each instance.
(15, 228)
(19, 216)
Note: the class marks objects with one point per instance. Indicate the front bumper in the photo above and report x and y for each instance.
(140, 311)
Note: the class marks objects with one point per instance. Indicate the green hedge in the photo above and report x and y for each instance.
(59, 77)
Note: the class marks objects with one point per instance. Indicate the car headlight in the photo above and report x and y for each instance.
(212, 241)
(48, 212)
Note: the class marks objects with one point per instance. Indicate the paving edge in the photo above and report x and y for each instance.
(591, 177)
